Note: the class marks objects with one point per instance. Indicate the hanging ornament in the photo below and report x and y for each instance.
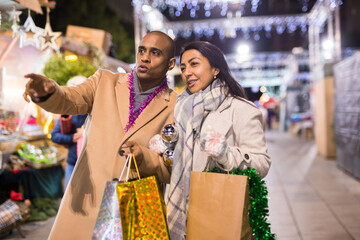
(14, 15)
(48, 37)
(30, 26)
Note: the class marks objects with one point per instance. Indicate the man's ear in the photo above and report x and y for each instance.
(171, 63)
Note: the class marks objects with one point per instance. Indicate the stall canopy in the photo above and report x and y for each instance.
(34, 5)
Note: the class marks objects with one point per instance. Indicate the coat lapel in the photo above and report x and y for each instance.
(155, 107)
(122, 99)
(224, 125)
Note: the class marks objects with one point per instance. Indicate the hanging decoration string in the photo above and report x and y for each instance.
(15, 15)
(259, 210)
(133, 115)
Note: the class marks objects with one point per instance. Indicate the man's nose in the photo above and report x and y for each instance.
(145, 58)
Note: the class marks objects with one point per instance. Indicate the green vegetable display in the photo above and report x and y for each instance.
(45, 155)
(60, 70)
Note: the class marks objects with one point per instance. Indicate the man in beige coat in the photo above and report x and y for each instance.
(105, 96)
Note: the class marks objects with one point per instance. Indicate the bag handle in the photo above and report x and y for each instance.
(126, 163)
(227, 163)
(132, 159)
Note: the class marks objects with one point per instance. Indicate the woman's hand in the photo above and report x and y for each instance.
(214, 144)
(157, 145)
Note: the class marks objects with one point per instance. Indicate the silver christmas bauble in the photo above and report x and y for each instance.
(169, 156)
(170, 133)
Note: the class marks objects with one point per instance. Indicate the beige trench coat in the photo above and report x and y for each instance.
(105, 96)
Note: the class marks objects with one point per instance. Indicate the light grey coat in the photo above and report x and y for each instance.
(242, 124)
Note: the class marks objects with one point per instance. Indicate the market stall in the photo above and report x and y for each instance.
(31, 165)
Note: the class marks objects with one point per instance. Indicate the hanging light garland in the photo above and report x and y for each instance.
(270, 68)
(230, 26)
(177, 7)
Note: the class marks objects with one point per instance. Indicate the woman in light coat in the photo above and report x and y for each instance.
(216, 125)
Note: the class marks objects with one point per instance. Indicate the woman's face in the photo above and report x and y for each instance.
(196, 70)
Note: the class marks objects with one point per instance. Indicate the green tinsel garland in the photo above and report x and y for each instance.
(259, 210)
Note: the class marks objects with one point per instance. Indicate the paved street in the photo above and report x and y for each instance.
(310, 197)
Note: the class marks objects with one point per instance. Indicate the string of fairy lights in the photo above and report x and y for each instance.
(232, 23)
(176, 7)
(196, 19)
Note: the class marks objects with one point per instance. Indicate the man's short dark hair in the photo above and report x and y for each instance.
(171, 47)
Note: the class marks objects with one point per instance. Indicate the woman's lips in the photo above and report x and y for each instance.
(191, 83)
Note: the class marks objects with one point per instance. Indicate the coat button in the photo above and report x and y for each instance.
(246, 156)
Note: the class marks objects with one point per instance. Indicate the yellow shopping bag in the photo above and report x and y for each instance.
(142, 208)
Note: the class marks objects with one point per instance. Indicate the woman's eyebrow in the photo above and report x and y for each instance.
(190, 60)
(193, 59)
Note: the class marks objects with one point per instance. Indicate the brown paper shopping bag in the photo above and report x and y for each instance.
(218, 207)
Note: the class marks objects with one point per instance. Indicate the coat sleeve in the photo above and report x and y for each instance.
(250, 150)
(73, 100)
(59, 138)
(152, 164)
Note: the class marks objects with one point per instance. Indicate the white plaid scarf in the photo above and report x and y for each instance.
(189, 113)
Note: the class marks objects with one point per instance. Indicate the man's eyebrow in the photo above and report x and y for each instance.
(151, 49)
(156, 49)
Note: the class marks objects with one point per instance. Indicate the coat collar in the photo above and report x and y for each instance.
(157, 105)
(225, 104)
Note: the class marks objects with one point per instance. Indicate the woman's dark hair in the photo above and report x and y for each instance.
(216, 59)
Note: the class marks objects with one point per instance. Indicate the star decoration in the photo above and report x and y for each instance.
(30, 26)
(48, 37)
(16, 30)
(15, 15)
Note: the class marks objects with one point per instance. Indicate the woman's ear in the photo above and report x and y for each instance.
(216, 72)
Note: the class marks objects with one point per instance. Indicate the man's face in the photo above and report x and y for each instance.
(152, 59)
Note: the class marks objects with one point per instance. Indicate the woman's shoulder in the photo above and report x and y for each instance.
(243, 110)
(240, 102)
